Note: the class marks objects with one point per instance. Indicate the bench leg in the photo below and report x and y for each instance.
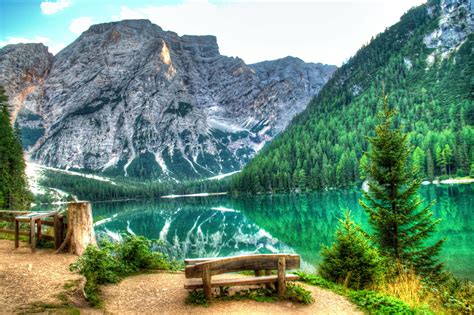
(206, 283)
(32, 236)
(281, 277)
(269, 286)
(17, 234)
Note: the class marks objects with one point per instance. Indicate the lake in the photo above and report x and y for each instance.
(225, 225)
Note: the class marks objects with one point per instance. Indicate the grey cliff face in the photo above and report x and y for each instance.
(127, 98)
(455, 24)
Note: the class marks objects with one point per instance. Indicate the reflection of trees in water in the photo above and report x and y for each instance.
(299, 222)
(304, 222)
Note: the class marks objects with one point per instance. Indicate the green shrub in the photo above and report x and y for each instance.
(111, 262)
(196, 297)
(351, 260)
(377, 303)
(298, 294)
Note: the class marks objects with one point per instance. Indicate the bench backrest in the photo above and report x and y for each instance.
(195, 267)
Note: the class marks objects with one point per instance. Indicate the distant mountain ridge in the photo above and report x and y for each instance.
(127, 98)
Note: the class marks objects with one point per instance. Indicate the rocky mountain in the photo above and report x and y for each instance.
(127, 98)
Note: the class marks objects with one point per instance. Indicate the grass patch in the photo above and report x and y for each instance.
(294, 292)
(407, 294)
(65, 306)
(369, 301)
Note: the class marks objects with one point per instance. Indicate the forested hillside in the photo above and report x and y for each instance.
(431, 88)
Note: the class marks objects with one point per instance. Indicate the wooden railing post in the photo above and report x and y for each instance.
(206, 283)
(32, 235)
(17, 234)
(281, 276)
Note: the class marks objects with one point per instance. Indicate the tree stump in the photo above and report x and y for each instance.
(80, 229)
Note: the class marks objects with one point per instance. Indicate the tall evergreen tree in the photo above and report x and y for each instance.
(14, 193)
(401, 223)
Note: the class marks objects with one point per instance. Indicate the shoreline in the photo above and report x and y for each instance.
(449, 181)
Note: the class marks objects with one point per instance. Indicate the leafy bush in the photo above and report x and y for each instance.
(111, 262)
(351, 260)
(377, 303)
(196, 297)
(297, 293)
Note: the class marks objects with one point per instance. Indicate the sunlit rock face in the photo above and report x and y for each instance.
(127, 98)
(23, 71)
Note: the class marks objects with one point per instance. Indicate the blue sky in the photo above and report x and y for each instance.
(327, 31)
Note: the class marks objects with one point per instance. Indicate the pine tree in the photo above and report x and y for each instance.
(14, 192)
(419, 161)
(351, 259)
(401, 223)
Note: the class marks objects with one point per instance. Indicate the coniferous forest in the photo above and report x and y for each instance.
(324, 146)
(14, 193)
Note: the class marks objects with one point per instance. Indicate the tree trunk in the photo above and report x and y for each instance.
(80, 228)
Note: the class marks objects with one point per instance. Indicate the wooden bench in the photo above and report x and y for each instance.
(37, 218)
(200, 271)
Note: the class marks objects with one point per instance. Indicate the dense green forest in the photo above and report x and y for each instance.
(91, 189)
(323, 147)
(14, 193)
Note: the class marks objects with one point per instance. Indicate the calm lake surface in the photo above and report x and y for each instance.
(223, 225)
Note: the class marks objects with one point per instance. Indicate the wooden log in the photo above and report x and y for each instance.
(281, 277)
(80, 232)
(206, 283)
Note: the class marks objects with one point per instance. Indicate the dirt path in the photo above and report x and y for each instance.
(163, 293)
(28, 280)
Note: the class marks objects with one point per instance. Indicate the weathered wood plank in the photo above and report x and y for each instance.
(193, 261)
(239, 263)
(197, 283)
(281, 276)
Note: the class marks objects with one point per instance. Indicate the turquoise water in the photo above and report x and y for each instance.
(223, 225)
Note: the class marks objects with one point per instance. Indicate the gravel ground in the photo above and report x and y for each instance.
(27, 279)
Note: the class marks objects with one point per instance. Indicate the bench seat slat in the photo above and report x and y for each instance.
(197, 283)
(239, 263)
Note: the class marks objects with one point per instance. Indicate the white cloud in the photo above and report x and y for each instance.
(49, 7)
(256, 30)
(52, 47)
(80, 24)
(55, 48)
